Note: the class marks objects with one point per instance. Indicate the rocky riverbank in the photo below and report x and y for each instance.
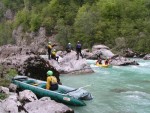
(27, 102)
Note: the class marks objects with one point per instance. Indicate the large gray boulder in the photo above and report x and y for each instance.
(10, 104)
(47, 106)
(4, 90)
(27, 96)
(98, 47)
(13, 87)
(147, 57)
(104, 52)
(37, 67)
(129, 53)
(44, 105)
(122, 61)
(69, 64)
(98, 50)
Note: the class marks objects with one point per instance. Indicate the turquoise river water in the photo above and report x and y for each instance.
(120, 89)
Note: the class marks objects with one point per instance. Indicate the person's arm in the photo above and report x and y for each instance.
(76, 48)
(54, 45)
(48, 85)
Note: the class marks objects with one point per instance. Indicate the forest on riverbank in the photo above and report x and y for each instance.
(118, 24)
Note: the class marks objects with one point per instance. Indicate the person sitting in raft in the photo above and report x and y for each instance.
(53, 55)
(51, 83)
(107, 61)
(99, 61)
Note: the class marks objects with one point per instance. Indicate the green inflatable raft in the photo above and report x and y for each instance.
(64, 94)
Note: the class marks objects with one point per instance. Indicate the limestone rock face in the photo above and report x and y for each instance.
(36, 41)
(13, 56)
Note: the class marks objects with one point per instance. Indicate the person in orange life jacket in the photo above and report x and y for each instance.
(78, 50)
(53, 55)
(49, 50)
(51, 83)
(50, 46)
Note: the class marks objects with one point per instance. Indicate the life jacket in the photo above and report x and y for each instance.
(49, 46)
(78, 46)
(53, 53)
(51, 80)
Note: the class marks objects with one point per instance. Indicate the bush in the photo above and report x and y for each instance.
(3, 96)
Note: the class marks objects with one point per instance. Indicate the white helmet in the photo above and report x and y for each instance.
(54, 50)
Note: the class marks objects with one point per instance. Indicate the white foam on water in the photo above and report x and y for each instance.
(135, 94)
(134, 86)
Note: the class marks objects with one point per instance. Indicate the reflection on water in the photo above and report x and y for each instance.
(115, 90)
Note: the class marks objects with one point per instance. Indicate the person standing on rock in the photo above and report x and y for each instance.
(51, 83)
(49, 50)
(50, 46)
(78, 50)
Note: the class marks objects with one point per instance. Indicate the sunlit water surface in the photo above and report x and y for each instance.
(120, 89)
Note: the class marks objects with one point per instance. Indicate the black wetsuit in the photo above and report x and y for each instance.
(78, 49)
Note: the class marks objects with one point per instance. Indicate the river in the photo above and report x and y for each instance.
(120, 89)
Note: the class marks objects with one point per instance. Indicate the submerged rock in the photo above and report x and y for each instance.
(118, 90)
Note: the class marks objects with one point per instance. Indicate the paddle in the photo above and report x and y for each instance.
(77, 89)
